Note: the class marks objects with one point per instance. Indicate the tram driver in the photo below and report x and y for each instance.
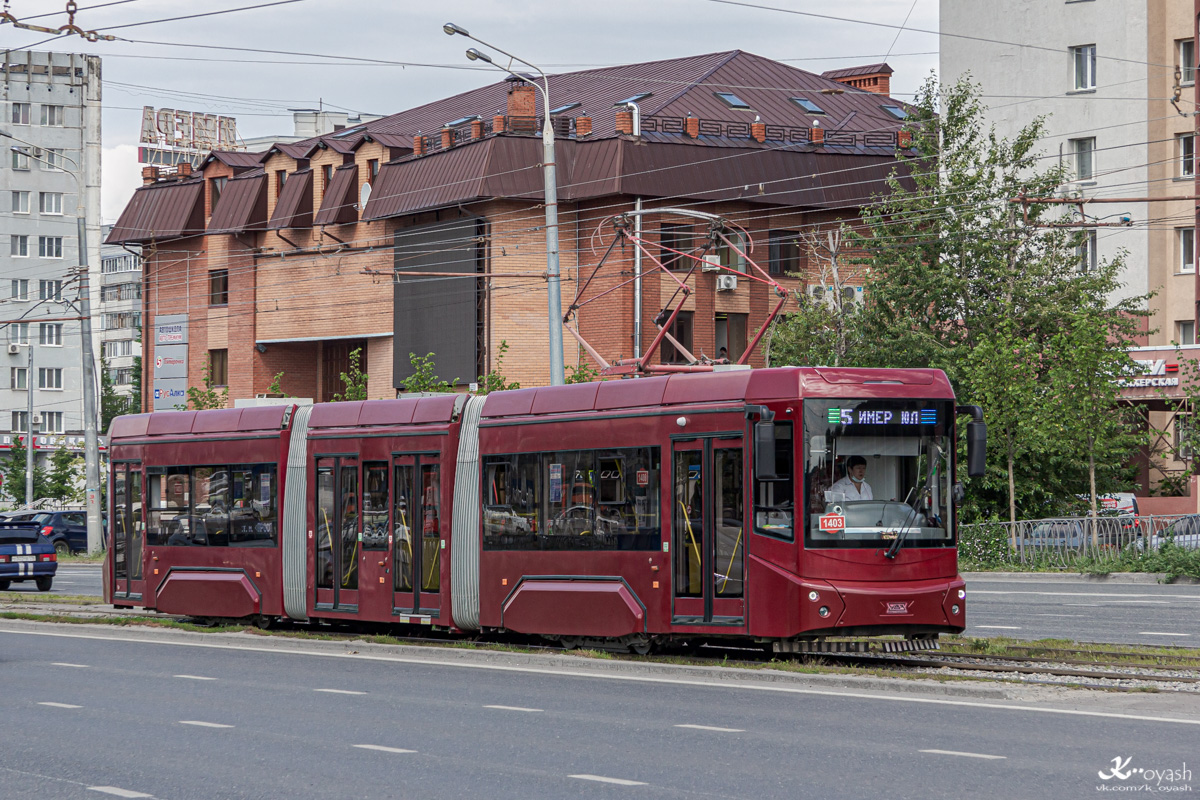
(854, 486)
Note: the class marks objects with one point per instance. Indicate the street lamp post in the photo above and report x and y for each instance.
(554, 299)
(91, 441)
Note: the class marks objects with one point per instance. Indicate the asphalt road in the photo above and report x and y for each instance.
(1084, 610)
(106, 713)
(81, 579)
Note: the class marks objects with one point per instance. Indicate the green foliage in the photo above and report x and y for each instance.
(135, 387)
(65, 481)
(355, 380)
(424, 379)
(208, 397)
(12, 467)
(1169, 559)
(581, 373)
(275, 389)
(113, 404)
(494, 381)
(812, 333)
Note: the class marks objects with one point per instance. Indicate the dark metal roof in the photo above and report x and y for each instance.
(338, 205)
(167, 210)
(447, 177)
(242, 205)
(237, 159)
(294, 209)
(391, 140)
(853, 72)
(297, 150)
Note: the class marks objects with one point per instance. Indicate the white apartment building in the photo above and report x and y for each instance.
(49, 174)
(1103, 73)
(119, 313)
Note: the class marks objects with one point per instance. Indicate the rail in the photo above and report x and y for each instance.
(1064, 541)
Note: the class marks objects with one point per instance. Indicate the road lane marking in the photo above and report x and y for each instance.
(602, 779)
(116, 790)
(194, 677)
(59, 705)
(1059, 615)
(203, 724)
(383, 749)
(1087, 594)
(999, 627)
(308, 651)
(337, 691)
(1161, 633)
(964, 755)
(515, 708)
(712, 728)
(64, 664)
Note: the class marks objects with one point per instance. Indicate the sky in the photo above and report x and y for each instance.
(179, 63)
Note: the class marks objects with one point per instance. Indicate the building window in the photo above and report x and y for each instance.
(125, 263)
(20, 160)
(1185, 51)
(122, 291)
(731, 258)
(51, 159)
(783, 256)
(218, 287)
(896, 111)
(50, 290)
(673, 237)
(50, 378)
(1187, 155)
(20, 113)
(808, 105)
(1187, 249)
(372, 170)
(681, 329)
(53, 115)
(1083, 154)
(121, 347)
(50, 246)
(218, 367)
(19, 378)
(1184, 436)
(124, 319)
(50, 334)
(20, 202)
(280, 180)
(50, 202)
(1083, 61)
(18, 246)
(18, 333)
(20, 289)
(20, 422)
(121, 376)
(215, 187)
(52, 422)
(326, 177)
(1185, 331)
(1087, 252)
(732, 100)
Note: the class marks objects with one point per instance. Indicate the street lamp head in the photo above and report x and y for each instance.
(450, 28)
(475, 55)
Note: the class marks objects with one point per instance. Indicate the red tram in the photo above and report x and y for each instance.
(615, 513)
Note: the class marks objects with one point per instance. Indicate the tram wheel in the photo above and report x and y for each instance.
(264, 622)
(570, 642)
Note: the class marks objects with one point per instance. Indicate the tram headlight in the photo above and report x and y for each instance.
(962, 594)
(954, 609)
(823, 611)
(814, 595)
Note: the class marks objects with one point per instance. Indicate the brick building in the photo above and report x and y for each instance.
(286, 261)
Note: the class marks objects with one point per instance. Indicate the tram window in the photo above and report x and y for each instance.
(350, 529)
(512, 499)
(774, 500)
(431, 528)
(168, 495)
(253, 517)
(210, 507)
(570, 482)
(375, 505)
(326, 514)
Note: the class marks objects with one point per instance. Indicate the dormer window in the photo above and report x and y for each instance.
(896, 111)
(349, 131)
(637, 98)
(732, 100)
(808, 105)
(461, 121)
(565, 109)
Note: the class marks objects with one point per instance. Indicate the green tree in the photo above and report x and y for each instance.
(208, 397)
(424, 379)
(135, 387)
(112, 404)
(355, 380)
(64, 481)
(13, 469)
(495, 381)
(581, 373)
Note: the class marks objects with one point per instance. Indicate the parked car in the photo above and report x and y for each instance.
(66, 529)
(1076, 534)
(1183, 532)
(26, 555)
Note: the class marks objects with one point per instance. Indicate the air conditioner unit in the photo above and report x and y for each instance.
(37, 419)
(726, 283)
(711, 264)
(13, 349)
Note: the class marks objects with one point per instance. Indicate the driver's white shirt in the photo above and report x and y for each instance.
(852, 490)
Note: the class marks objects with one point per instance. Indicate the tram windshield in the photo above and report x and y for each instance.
(876, 470)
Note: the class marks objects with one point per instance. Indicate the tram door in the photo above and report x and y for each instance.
(417, 534)
(127, 531)
(375, 579)
(338, 525)
(708, 542)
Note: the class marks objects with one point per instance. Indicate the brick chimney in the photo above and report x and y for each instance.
(903, 139)
(583, 126)
(876, 78)
(758, 130)
(447, 138)
(818, 133)
(149, 175)
(418, 144)
(625, 122)
(498, 123)
(522, 101)
(476, 129)
(184, 170)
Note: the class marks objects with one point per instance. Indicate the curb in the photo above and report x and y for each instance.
(1112, 577)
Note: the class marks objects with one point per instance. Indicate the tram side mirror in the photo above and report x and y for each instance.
(764, 451)
(976, 449)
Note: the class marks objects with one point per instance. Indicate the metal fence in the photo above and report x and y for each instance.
(1060, 541)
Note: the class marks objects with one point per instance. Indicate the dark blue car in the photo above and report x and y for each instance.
(26, 555)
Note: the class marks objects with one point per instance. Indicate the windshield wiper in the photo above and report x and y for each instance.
(922, 490)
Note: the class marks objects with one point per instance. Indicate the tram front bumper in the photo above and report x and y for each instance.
(936, 605)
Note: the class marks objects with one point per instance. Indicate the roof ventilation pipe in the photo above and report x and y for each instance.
(637, 118)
